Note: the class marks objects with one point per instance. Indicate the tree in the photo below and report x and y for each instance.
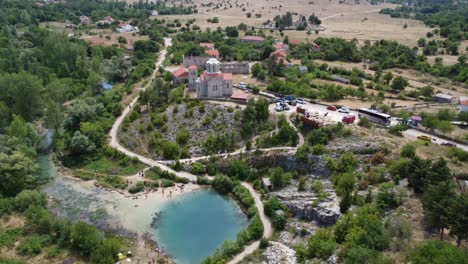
(18, 128)
(80, 144)
(232, 32)
(54, 116)
(438, 252)
(321, 244)
(388, 76)
(278, 178)
(85, 238)
(399, 83)
(458, 220)
(170, 150)
(16, 173)
(436, 201)
(256, 68)
(386, 197)
(223, 184)
(24, 93)
(106, 251)
(444, 126)
(421, 42)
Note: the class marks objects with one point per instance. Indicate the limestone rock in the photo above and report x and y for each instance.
(278, 253)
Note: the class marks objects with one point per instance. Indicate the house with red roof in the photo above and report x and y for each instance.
(180, 75)
(213, 53)
(209, 46)
(279, 56)
(252, 39)
(281, 46)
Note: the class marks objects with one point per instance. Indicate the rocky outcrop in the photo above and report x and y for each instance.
(314, 164)
(309, 206)
(278, 253)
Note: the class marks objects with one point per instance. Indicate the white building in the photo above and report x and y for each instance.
(212, 83)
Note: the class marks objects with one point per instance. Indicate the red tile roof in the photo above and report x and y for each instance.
(253, 38)
(281, 46)
(213, 53)
(181, 72)
(207, 45)
(315, 45)
(227, 76)
(295, 41)
(193, 67)
(279, 53)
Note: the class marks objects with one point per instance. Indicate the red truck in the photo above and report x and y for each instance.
(348, 119)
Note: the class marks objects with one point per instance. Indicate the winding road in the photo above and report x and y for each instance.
(114, 143)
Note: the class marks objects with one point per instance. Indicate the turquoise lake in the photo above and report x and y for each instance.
(192, 226)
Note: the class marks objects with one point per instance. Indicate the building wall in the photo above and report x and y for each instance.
(235, 68)
(179, 80)
(195, 60)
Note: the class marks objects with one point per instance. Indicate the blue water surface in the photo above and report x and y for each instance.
(192, 226)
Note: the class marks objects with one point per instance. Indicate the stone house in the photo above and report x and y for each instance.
(180, 75)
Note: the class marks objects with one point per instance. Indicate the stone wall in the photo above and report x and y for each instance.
(235, 68)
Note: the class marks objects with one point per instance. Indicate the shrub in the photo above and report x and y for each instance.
(136, 188)
(33, 244)
(321, 244)
(364, 122)
(279, 221)
(223, 184)
(408, 151)
(182, 136)
(197, 168)
(167, 183)
(319, 149)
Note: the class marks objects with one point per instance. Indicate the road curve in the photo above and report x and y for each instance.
(114, 143)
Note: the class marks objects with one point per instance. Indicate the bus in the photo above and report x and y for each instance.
(374, 116)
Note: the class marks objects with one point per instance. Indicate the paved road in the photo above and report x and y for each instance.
(113, 142)
(413, 134)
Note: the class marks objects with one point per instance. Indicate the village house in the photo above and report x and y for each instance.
(281, 46)
(180, 75)
(213, 53)
(209, 46)
(463, 104)
(444, 98)
(212, 83)
(252, 39)
(280, 56)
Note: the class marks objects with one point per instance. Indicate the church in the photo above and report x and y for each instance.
(212, 83)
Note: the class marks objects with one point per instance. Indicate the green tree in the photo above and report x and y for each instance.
(399, 83)
(436, 201)
(458, 219)
(18, 128)
(388, 76)
(256, 68)
(321, 244)
(85, 238)
(16, 173)
(278, 177)
(437, 252)
(80, 144)
(223, 184)
(106, 252)
(54, 116)
(408, 151)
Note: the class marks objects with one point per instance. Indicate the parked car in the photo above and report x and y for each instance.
(249, 86)
(301, 101)
(281, 107)
(344, 110)
(278, 100)
(292, 102)
(289, 98)
(424, 138)
(331, 108)
(449, 144)
(348, 119)
(241, 85)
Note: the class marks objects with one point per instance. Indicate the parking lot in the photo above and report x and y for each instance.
(318, 110)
